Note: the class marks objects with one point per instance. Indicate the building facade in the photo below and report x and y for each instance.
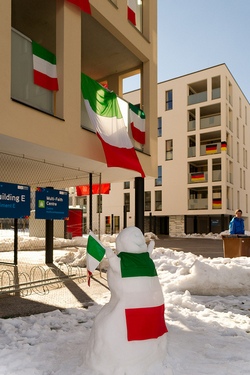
(45, 137)
(203, 158)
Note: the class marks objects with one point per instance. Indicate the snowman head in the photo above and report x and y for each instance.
(131, 240)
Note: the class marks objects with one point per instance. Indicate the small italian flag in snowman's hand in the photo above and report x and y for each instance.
(95, 254)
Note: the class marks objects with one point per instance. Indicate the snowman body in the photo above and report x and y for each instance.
(129, 333)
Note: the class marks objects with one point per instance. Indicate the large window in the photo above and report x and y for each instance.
(158, 181)
(147, 200)
(158, 200)
(127, 201)
(169, 100)
(169, 149)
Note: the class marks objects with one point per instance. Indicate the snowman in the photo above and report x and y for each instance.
(129, 332)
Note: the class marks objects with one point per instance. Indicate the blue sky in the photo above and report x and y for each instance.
(198, 34)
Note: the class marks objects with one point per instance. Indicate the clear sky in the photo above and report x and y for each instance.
(197, 34)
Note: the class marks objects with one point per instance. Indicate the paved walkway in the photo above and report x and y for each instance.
(74, 294)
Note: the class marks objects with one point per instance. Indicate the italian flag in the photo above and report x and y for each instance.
(44, 66)
(145, 319)
(137, 123)
(106, 117)
(131, 5)
(82, 4)
(95, 254)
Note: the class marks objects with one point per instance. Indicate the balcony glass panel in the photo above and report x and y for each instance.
(216, 93)
(210, 122)
(191, 125)
(197, 98)
(198, 204)
(22, 87)
(216, 175)
(191, 151)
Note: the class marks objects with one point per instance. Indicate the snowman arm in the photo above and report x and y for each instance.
(114, 261)
(151, 246)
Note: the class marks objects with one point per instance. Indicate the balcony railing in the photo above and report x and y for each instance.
(197, 98)
(198, 204)
(197, 177)
(23, 88)
(210, 122)
(214, 148)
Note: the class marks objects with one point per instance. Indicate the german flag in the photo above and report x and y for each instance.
(217, 203)
(223, 146)
(211, 149)
(197, 177)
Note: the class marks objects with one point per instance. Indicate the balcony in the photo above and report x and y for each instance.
(198, 204)
(210, 122)
(197, 98)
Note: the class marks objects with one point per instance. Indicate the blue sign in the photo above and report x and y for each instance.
(14, 201)
(52, 204)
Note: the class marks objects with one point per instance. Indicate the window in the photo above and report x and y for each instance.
(169, 149)
(158, 181)
(159, 126)
(99, 203)
(127, 201)
(169, 100)
(158, 200)
(147, 200)
(126, 185)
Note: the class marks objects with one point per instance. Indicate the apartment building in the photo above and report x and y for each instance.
(203, 158)
(46, 138)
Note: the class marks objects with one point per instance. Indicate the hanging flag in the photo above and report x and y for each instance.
(83, 4)
(137, 123)
(211, 149)
(105, 115)
(44, 67)
(217, 203)
(198, 177)
(143, 323)
(96, 189)
(131, 5)
(223, 146)
(95, 254)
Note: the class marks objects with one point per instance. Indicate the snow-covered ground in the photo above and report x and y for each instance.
(207, 314)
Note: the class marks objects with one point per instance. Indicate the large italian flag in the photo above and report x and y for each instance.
(145, 311)
(44, 67)
(106, 117)
(82, 4)
(137, 123)
(95, 254)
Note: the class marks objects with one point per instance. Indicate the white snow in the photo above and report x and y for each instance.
(207, 314)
